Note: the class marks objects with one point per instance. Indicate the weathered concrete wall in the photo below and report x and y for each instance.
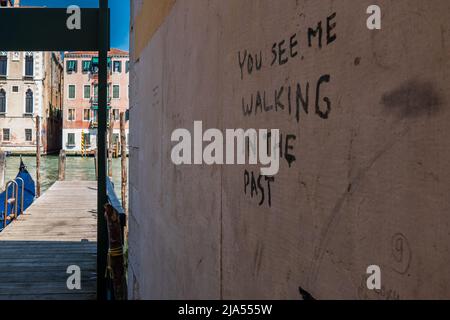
(370, 180)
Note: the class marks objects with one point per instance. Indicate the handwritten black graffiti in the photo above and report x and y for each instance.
(321, 34)
(291, 99)
(258, 186)
(401, 253)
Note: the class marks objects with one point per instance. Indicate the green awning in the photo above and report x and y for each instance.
(95, 60)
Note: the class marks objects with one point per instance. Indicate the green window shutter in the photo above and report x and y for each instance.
(71, 92)
(71, 66)
(86, 66)
(71, 139)
(116, 92)
(87, 92)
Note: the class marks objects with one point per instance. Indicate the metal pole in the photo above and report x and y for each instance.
(102, 231)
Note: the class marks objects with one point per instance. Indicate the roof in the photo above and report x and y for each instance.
(112, 52)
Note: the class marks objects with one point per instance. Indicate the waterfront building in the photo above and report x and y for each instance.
(30, 86)
(80, 118)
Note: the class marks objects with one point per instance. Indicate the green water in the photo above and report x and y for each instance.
(77, 168)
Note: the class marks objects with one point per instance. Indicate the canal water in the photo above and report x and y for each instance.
(77, 168)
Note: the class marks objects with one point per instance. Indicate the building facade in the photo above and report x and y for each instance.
(30, 86)
(81, 98)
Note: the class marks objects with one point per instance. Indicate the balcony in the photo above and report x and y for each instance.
(93, 76)
(94, 103)
(93, 124)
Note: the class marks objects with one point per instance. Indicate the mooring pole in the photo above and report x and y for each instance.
(102, 231)
(123, 165)
(62, 165)
(38, 156)
(110, 143)
(2, 169)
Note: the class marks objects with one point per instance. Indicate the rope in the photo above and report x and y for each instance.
(112, 252)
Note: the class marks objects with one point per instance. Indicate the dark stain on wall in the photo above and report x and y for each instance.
(413, 99)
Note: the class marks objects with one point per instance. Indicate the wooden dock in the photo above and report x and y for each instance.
(57, 231)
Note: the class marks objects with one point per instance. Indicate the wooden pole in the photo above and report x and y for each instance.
(2, 169)
(123, 165)
(62, 166)
(110, 143)
(96, 163)
(38, 156)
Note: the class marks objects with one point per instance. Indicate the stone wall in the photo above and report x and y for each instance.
(365, 172)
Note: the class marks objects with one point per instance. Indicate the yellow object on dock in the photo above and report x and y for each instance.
(58, 231)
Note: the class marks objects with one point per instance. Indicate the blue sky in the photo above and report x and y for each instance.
(120, 16)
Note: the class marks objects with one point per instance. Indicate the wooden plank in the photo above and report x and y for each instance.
(57, 231)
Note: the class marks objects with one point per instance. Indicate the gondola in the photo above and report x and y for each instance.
(17, 197)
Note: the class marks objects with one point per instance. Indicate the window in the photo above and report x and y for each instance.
(94, 65)
(87, 92)
(28, 135)
(116, 91)
(127, 66)
(86, 66)
(71, 115)
(29, 64)
(15, 89)
(29, 102)
(94, 116)
(116, 114)
(95, 93)
(3, 65)
(87, 139)
(71, 91)
(71, 139)
(2, 101)
(116, 138)
(117, 66)
(87, 115)
(71, 66)
(6, 134)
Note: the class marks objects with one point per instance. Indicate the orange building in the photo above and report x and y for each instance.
(81, 98)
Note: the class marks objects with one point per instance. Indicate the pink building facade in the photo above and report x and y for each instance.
(81, 98)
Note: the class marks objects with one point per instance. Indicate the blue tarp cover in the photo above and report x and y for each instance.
(29, 191)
